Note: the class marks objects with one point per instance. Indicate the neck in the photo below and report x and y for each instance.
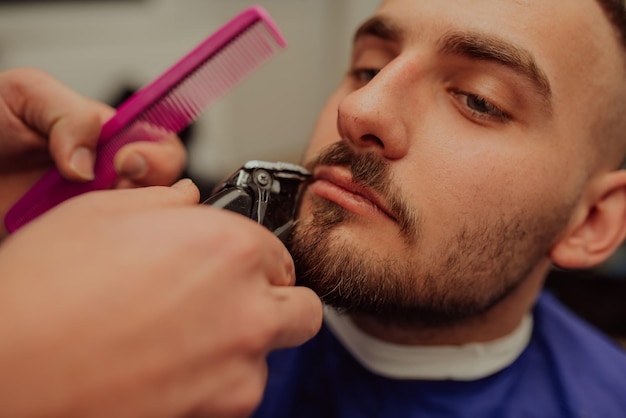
(499, 321)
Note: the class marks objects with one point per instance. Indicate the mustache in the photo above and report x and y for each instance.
(370, 170)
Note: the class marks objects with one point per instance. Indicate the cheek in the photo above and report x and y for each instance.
(325, 130)
(519, 211)
(453, 190)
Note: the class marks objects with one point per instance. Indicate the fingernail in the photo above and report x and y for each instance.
(134, 166)
(182, 184)
(81, 162)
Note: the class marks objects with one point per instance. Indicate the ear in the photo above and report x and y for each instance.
(598, 226)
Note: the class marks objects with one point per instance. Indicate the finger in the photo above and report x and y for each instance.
(300, 311)
(151, 163)
(74, 137)
(256, 243)
(49, 109)
(21, 146)
(183, 193)
(286, 273)
(279, 266)
(18, 140)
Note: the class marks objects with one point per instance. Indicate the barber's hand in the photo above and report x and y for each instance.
(43, 122)
(142, 303)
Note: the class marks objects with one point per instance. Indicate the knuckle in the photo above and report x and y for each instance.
(242, 399)
(20, 81)
(242, 244)
(259, 328)
(248, 398)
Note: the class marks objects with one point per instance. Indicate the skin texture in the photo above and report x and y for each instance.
(469, 163)
(132, 302)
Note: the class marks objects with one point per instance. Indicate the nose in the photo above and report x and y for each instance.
(374, 117)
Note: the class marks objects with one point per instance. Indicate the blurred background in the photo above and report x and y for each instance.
(107, 49)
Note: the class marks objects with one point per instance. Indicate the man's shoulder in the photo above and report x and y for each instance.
(560, 329)
(586, 366)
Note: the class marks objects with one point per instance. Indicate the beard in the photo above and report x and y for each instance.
(477, 266)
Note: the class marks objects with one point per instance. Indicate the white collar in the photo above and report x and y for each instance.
(465, 362)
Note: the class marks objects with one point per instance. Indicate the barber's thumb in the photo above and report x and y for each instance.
(184, 192)
(82, 162)
(188, 190)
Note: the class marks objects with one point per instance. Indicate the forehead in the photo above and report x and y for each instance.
(533, 22)
(508, 12)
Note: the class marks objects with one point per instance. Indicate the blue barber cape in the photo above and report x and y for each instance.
(568, 370)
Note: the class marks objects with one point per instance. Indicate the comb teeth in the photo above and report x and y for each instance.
(165, 106)
(212, 80)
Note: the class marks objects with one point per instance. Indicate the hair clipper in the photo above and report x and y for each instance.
(263, 191)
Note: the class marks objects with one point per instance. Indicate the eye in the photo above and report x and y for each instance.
(481, 108)
(364, 75)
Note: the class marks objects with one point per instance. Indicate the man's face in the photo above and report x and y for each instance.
(453, 152)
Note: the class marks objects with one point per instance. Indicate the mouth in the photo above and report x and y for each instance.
(335, 184)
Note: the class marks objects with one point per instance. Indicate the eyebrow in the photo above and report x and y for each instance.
(483, 47)
(473, 45)
(378, 27)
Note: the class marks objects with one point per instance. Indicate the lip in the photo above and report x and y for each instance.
(335, 184)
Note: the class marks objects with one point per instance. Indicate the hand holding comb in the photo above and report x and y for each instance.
(167, 105)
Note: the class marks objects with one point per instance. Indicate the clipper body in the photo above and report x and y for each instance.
(265, 192)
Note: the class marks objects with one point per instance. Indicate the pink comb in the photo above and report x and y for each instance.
(167, 105)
